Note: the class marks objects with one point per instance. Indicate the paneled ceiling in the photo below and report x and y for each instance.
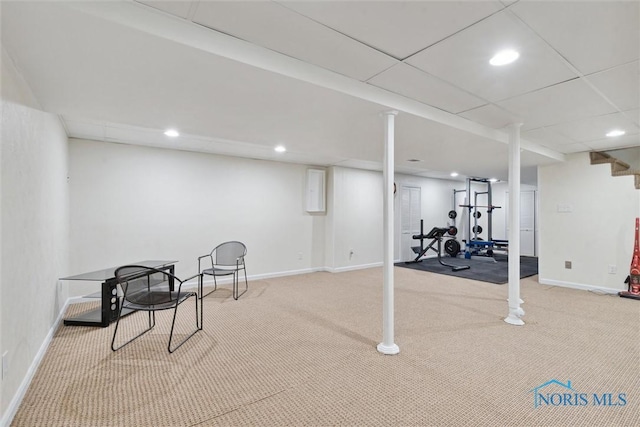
(240, 77)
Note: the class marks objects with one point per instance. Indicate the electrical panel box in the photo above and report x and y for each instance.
(316, 190)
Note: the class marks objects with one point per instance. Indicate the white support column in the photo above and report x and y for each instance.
(515, 312)
(387, 346)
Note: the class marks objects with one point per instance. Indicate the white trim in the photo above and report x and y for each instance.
(194, 283)
(11, 410)
(351, 267)
(579, 286)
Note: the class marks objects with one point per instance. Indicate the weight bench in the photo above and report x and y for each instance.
(435, 235)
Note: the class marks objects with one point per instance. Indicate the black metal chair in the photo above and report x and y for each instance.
(150, 289)
(226, 259)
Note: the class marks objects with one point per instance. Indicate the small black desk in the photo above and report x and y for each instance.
(110, 304)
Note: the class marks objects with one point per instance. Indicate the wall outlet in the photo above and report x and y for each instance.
(613, 269)
(567, 265)
(5, 364)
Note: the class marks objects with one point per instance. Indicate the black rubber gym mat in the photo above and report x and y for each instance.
(484, 270)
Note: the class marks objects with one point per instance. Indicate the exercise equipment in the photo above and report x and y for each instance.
(474, 244)
(436, 235)
(453, 214)
(633, 279)
(453, 230)
(452, 247)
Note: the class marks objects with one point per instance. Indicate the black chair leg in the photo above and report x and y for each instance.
(152, 323)
(215, 287)
(236, 279)
(173, 324)
(201, 296)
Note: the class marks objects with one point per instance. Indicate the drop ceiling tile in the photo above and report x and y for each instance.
(399, 28)
(594, 128)
(177, 8)
(547, 137)
(633, 115)
(463, 60)
(275, 27)
(560, 103)
(613, 143)
(416, 84)
(360, 164)
(592, 35)
(491, 115)
(620, 84)
(578, 147)
(409, 170)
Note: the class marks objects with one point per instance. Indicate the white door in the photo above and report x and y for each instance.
(527, 222)
(411, 213)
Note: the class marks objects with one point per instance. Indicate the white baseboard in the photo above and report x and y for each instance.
(351, 267)
(193, 284)
(7, 417)
(580, 286)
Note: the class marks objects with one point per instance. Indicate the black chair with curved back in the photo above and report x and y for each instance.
(226, 259)
(150, 289)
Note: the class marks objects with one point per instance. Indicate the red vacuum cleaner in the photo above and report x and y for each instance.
(633, 280)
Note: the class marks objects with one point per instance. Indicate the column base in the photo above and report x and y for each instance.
(388, 349)
(512, 319)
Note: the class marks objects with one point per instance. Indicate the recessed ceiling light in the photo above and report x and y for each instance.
(280, 149)
(493, 179)
(616, 132)
(454, 174)
(171, 132)
(504, 57)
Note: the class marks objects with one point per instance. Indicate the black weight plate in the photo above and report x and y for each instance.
(477, 229)
(477, 214)
(452, 247)
(453, 214)
(453, 230)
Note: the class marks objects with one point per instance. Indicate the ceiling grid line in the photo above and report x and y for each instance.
(315, 75)
(452, 34)
(568, 63)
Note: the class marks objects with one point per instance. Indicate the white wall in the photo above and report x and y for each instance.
(500, 198)
(436, 197)
(34, 194)
(354, 218)
(131, 203)
(354, 214)
(598, 231)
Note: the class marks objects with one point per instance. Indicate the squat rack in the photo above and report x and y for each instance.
(474, 245)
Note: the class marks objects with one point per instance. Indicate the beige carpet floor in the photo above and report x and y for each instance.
(301, 350)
